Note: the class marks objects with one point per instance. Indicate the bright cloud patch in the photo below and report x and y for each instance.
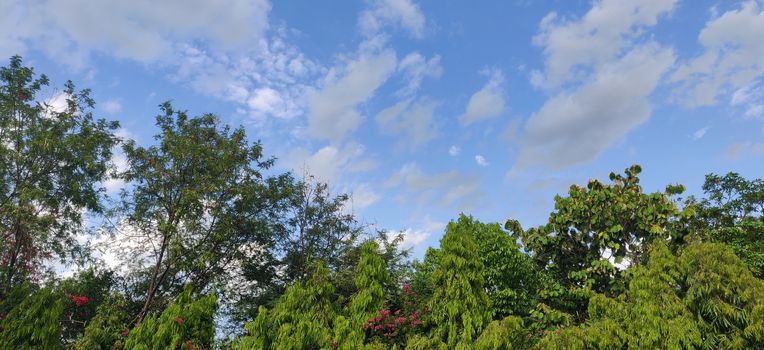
(333, 111)
(488, 102)
(603, 78)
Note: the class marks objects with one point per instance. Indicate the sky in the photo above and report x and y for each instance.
(425, 109)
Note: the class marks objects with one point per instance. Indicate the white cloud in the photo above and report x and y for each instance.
(413, 238)
(698, 134)
(401, 13)
(575, 127)
(272, 78)
(488, 102)
(480, 160)
(601, 72)
(750, 98)
(225, 49)
(414, 121)
(447, 189)
(329, 163)
(56, 104)
(363, 196)
(731, 60)
(454, 151)
(572, 47)
(141, 30)
(112, 106)
(416, 68)
(333, 112)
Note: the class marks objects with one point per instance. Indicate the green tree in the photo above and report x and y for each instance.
(460, 306)
(51, 165)
(187, 323)
(506, 334)
(108, 328)
(302, 318)
(512, 280)
(733, 213)
(201, 196)
(595, 224)
(704, 298)
(370, 278)
(35, 323)
(314, 227)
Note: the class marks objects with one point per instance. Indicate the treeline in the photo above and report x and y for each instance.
(222, 252)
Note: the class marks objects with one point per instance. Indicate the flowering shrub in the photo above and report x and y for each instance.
(78, 300)
(392, 325)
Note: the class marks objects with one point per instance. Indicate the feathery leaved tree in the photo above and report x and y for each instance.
(460, 307)
(52, 161)
(370, 278)
(200, 198)
(705, 298)
(301, 319)
(187, 323)
(34, 323)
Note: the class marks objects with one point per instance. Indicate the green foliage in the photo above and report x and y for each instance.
(370, 279)
(460, 306)
(302, 318)
(596, 223)
(612, 268)
(512, 280)
(186, 323)
(51, 165)
(92, 288)
(733, 214)
(705, 299)
(420, 342)
(108, 327)
(201, 194)
(35, 323)
(506, 334)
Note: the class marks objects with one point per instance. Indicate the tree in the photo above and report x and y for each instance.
(460, 306)
(187, 323)
(314, 227)
(598, 223)
(512, 280)
(703, 298)
(370, 279)
(506, 334)
(51, 165)
(108, 328)
(201, 200)
(733, 213)
(302, 318)
(35, 323)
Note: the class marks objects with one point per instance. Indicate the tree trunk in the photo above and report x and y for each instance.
(153, 284)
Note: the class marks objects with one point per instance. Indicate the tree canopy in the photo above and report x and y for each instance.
(228, 253)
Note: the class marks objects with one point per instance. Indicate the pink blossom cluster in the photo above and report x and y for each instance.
(78, 300)
(390, 324)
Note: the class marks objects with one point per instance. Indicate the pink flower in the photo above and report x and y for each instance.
(78, 300)
(178, 320)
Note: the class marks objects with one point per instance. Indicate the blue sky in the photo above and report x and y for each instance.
(424, 109)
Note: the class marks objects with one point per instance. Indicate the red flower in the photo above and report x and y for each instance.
(78, 300)
(125, 333)
(178, 320)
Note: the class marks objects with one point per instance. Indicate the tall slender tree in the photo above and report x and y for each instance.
(460, 305)
(201, 198)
